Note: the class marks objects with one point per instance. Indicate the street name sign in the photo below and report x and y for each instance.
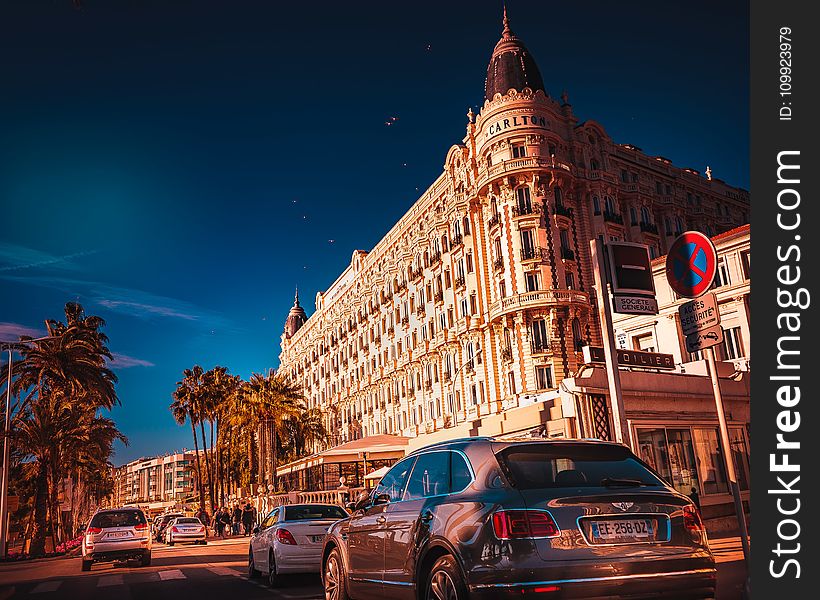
(691, 264)
(631, 358)
(700, 340)
(699, 314)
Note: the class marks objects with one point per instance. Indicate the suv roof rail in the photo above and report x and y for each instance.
(478, 438)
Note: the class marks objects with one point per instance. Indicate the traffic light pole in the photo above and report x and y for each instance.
(610, 352)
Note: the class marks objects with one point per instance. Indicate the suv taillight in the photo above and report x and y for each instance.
(174, 529)
(521, 524)
(141, 526)
(283, 536)
(94, 530)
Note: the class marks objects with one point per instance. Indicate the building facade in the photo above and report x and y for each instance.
(478, 300)
(158, 482)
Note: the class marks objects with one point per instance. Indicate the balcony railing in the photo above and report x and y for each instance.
(532, 253)
(420, 312)
(649, 228)
(405, 321)
(506, 354)
(539, 347)
(435, 258)
(523, 210)
(567, 254)
(494, 220)
(498, 263)
(438, 297)
(562, 210)
(541, 298)
(612, 217)
(457, 240)
(459, 281)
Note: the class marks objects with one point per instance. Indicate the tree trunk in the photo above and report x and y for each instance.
(274, 449)
(198, 467)
(211, 496)
(253, 464)
(38, 533)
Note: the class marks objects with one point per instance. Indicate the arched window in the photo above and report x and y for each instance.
(678, 226)
(596, 205)
(633, 215)
(457, 228)
(593, 164)
(609, 204)
(645, 216)
(522, 196)
(493, 207)
(559, 196)
(444, 243)
(466, 225)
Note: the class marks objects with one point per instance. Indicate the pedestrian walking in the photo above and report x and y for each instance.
(237, 518)
(248, 518)
(203, 516)
(218, 522)
(225, 521)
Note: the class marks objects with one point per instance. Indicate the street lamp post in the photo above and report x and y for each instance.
(10, 347)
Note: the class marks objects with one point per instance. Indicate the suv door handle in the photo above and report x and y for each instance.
(381, 519)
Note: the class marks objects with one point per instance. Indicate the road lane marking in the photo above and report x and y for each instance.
(109, 580)
(172, 574)
(46, 586)
(221, 571)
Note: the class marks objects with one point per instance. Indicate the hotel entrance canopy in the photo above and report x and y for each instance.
(351, 460)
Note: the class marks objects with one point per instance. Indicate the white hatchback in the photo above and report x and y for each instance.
(290, 540)
(185, 530)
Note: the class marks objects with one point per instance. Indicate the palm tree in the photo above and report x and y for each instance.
(186, 406)
(306, 429)
(61, 384)
(275, 399)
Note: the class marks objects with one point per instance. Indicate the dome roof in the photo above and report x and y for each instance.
(511, 66)
(296, 318)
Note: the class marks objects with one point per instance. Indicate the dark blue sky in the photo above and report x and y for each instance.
(179, 166)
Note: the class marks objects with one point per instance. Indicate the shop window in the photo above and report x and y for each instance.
(740, 455)
(709, 461)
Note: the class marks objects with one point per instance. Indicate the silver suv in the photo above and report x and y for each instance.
(117, 534)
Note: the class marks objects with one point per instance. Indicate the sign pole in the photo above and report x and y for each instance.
(605, 317)
(727, 454)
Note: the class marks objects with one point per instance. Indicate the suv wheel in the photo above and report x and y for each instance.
(445, 581)
(334, 580)
(87, 564)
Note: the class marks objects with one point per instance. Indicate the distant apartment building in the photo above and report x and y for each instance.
(158, 482)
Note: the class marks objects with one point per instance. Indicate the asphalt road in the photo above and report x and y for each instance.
(218, 572)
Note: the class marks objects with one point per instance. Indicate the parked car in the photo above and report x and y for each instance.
(484, 518)
(161, 524)
(290, 540)
(117, 534)
(185, 529)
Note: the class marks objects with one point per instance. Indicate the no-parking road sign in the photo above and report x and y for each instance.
(691, 264)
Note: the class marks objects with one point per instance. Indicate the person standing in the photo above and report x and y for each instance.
(218, 523)
(203, 516)
(225, 520)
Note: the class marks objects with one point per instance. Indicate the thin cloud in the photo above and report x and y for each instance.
(138, 309)
(18, 258)
(10, 332)
(123, 361)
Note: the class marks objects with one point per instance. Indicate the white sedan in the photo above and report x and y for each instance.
(290, 540)
(185, 529)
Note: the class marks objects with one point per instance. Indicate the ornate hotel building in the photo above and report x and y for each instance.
(477, 302)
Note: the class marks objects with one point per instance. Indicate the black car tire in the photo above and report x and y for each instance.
(445, 581)
(253, 572)
(273, 578)
(87, 565)
(145, 561)
(334, 579)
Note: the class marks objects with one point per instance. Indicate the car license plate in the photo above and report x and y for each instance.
(118, 534)
(623, 530)
(317, 538)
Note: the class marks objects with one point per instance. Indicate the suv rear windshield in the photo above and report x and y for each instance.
(187, 521)
(118, 518)
(309, 512)
(531, 466)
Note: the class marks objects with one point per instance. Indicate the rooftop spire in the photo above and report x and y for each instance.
(506, 33)
(296, 298)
